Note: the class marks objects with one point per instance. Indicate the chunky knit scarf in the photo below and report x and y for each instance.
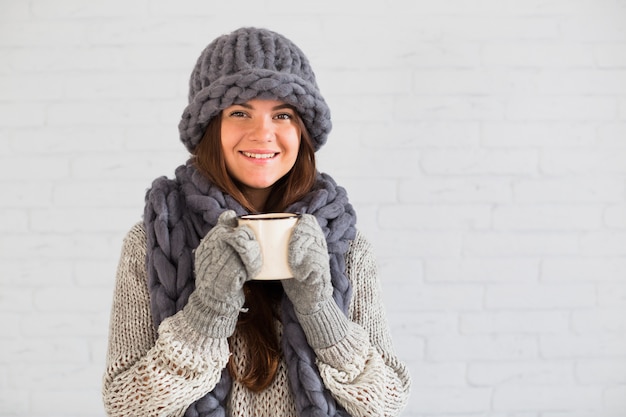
(180, 211)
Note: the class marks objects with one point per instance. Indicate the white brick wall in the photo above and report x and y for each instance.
(482, 142)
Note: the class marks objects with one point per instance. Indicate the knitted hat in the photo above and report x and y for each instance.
(252, 63)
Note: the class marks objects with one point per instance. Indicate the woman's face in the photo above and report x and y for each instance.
(260, 142)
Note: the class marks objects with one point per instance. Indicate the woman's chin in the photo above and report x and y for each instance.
(261, 184)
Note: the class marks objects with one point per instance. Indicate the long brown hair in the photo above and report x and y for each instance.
(257, 326)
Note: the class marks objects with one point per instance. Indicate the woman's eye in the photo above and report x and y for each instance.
(284, 116)
(237, 113)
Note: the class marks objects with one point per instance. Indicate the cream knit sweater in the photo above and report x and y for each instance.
(161, 374)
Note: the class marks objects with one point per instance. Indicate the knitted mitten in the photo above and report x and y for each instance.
(311, 289)
(226, 258)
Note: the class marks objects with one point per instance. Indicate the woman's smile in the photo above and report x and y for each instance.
(259, 155)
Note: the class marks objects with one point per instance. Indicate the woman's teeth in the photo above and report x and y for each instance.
(259, 155)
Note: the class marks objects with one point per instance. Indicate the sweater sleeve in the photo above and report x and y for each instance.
(362, 370)
(149, 373)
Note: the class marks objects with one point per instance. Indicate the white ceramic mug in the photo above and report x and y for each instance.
(272, 231)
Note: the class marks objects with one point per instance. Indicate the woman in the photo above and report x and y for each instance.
(191, 332)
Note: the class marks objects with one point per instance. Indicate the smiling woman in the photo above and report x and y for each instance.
(216, 156)
(192, 332)
(260, 143)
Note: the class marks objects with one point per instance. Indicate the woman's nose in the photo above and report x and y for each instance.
(263, 130)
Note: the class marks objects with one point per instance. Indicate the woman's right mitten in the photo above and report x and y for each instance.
(225, 259)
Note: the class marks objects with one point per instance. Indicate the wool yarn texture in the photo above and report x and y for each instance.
(252, 63)
(180, 211)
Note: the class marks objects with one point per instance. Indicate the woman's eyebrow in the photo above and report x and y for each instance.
(284, 106)
(278, 107)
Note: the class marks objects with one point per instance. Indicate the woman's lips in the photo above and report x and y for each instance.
(259, 155)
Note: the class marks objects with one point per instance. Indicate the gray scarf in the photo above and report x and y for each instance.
(179, 212)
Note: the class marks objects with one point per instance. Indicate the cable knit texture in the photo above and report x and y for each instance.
(150, 374)
(226, 258)
(252, 63)
(180, 212)
(311, 290)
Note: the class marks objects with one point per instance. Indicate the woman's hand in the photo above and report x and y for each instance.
(308, 259)
(311, 289)
(225, 259)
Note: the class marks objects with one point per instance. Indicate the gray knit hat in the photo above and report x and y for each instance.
(252, 63)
